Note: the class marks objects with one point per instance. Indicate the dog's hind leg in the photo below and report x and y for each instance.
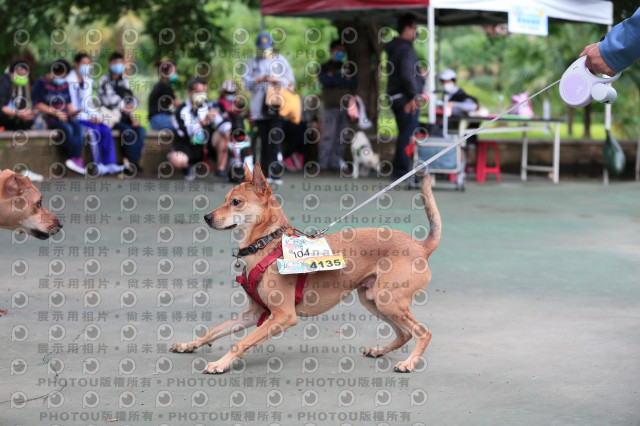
(402, 336)
(398, 312)
(246, 319)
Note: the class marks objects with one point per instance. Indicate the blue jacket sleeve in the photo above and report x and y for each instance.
(621, 46)
(37, 92)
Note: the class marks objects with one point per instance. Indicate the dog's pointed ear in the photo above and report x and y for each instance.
(14, 186)
(248, 176)
(258, 182)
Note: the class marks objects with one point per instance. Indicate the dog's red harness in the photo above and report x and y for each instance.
(250, 284)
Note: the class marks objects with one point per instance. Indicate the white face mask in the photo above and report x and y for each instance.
(199, 98)
(263, 53)
(449, 87)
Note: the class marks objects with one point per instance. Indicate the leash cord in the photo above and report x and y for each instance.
(435, 157)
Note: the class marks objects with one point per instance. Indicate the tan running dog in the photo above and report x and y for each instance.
(387, 267)
(21, 207)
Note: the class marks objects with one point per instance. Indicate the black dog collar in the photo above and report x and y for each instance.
(260, 243)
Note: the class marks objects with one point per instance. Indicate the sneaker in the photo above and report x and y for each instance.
(298, 160)
(35, 177)
(112, 169)
(289, 164)
(190, 175)
(75, 165)
(131, 167)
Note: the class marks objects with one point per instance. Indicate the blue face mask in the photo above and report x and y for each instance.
(58, 81)
(117, 68)
(230, 98)
(173, 77)
(85, 69)
(339, 56)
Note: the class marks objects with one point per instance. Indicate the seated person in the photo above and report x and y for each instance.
(194, 121)
(113, 87)
(100, 138)
(15, 113)
(131, 132)
(50, 95)
(459, 102)
(233, 122)
(162, 99)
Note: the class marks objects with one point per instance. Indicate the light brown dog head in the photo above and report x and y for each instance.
(249, 206)
(21, 207)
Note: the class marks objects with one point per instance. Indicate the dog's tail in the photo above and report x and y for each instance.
(435, 224)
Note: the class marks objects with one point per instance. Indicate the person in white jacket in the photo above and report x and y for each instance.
(100, 138)
(194, 121)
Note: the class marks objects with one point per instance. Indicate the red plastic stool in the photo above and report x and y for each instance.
(482, 170)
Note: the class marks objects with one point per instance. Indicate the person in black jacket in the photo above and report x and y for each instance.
(404, 88)
(162, 99)
(339, 82)
(15, 113)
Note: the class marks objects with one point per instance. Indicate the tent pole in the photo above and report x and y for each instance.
(607, 107)
(431, 79)
(607, 126)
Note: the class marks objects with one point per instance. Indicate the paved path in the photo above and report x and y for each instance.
(534, 307)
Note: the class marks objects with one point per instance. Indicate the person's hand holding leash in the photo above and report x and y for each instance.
(595, 62)
(617, 50)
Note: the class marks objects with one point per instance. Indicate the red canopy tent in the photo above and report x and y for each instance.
(441, 12)
(344, 9)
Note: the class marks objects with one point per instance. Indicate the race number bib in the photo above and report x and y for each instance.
(303, 255)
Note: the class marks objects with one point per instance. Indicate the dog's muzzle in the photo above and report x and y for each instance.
(45, 235)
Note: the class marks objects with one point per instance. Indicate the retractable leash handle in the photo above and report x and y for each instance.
(578, 86)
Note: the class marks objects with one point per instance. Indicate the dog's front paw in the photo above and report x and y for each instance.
(373, 352)
(404, 367)
(216, 367)
(183, 347)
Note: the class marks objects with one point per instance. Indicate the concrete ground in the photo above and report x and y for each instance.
(534, 307)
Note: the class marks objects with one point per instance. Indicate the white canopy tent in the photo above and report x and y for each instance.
(469, 12)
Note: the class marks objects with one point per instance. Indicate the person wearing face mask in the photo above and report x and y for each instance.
(339, 82)
(50, 96)
(231, 113)
(15, 111)
(100, 138)
(113, 84)
(459, 102)
(113, 88)
(268, 68)
(194, 121)
(15, 104)
(404, 87)
(162, 99)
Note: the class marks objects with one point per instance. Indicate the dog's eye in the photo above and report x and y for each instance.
(39, 204)
(235, 202)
